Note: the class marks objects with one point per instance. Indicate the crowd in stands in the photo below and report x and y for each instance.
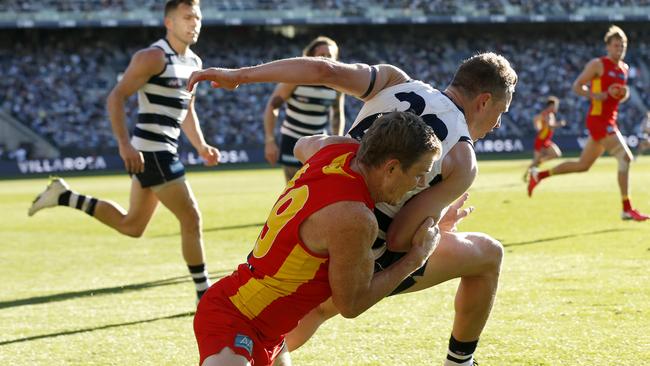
(346, 7)
(57, 82)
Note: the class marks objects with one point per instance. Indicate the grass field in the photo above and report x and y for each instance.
(575, 285)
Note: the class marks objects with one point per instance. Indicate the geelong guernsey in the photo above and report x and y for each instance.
(437, 110)
(163, 102)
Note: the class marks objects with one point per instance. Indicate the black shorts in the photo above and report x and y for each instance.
(287, 144)
(160, 167)
(388, 258)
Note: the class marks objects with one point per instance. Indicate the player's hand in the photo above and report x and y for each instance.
(133, 159)
(618, 91)
(455, 214)
(424, 242)
(218, 78)
(210, 155)
(271, 152)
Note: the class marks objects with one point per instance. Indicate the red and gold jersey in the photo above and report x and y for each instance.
(546, 132)
(606, 110)
(282, 279)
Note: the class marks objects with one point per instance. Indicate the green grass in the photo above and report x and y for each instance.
(575, 286)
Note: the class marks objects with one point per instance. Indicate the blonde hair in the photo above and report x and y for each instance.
(615, 32)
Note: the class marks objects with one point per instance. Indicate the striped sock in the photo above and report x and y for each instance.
(79, 201)
(200, 277)
(460, 353)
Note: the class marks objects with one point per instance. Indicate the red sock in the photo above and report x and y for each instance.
(626, 204)
(544, 174)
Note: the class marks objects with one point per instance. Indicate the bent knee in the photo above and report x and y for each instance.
(133, 231)
(491, 251)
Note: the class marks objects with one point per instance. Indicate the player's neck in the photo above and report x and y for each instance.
(178, 46)
(364, 172)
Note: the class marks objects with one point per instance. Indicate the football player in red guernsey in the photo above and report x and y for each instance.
(603, 82)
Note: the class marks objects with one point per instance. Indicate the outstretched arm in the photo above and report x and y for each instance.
(351, 79)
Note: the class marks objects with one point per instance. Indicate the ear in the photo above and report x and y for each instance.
(167, 21)
(482, 101)
(391, 166)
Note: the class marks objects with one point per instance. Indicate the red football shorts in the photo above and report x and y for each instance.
(599, 129)
(542, 144)
(218, 324)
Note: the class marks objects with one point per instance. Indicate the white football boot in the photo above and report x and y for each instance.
(49, 197)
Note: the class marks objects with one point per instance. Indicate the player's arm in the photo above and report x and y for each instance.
(307, 146)
(347, 230)
(592, 70)
(337, 115)
(281, 93)
(352, 79)
(459, 169)
(192, 130)
(537, 122)
(144, 64)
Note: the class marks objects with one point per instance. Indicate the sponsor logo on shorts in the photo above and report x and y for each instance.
(176, 167)
(244, 342)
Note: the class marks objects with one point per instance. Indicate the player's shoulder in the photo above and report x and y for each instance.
(150, 54)
(348, 214)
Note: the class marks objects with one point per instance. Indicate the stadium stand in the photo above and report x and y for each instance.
(56, 81)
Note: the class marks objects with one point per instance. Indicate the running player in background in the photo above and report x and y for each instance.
(603, 82)
(545, 123)
(644, 139)
(309, 108)
(158, 74)
(469, 108)
(317, 242)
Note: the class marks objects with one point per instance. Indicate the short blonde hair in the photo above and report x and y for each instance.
(615, 32)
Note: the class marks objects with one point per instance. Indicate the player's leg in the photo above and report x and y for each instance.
(283, 358)
(590, 153)
(617, 147)
(227, 357)
(290, 163)
(178, 197)
(142, 204)
(476, 259)
(551, 152)
(309, 324)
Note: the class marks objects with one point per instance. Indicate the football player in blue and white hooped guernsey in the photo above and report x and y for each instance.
(469, 108)
(159, 75)
(309, 109)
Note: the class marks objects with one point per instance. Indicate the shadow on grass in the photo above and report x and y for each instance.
(552, 238)
(86, 330)
(218, 228)
(102, 291)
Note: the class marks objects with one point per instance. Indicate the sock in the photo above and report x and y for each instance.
(626, 204)
(544, 174)
(200, 277)
(460, 353)
(79, 201)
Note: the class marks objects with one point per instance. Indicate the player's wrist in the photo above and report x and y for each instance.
(269, 139)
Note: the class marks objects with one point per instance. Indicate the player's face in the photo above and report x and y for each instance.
(616, 48)
(407, 180)
(325, 50)
(186, 23)
(490, 117)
